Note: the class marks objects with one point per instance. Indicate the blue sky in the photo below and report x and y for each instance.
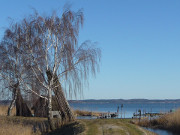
(140, 42)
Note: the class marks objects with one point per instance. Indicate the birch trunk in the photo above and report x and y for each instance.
(50, 117)
(14, 99)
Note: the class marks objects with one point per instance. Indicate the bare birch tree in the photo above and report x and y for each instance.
(50, 45)
(11, 68)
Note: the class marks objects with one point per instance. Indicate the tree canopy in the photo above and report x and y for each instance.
(39, 46)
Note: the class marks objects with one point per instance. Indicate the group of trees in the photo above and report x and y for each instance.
(40, 54)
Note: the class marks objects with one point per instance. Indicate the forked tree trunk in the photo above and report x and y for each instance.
(15, 87)
(63, 106)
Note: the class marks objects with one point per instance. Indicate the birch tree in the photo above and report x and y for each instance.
(51, 54)
(12, 70)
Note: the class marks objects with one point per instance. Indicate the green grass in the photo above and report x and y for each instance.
(111, 127)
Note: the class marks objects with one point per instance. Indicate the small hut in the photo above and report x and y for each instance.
(61, 102)
(21, 107)
(60, 106)
(40, 108)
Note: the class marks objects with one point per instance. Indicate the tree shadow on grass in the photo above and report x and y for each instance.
(74, 128)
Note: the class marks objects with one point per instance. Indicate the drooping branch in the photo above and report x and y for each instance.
(44, 50)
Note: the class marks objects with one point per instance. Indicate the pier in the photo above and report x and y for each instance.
(139, 114)
(108, 115)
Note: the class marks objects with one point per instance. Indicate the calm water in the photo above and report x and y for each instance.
(128, 108)
(161, 132)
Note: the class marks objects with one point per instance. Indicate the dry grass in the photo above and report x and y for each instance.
(8, 127)
(173, 119)
(12, 125)
(15, 129)
(86, 113)
(4, 109)
(169, 121)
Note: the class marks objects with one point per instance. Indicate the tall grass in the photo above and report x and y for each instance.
(4, 109)
(15, 129)
(169, 121)
(13, 125)
(10, 128)
(86, 113)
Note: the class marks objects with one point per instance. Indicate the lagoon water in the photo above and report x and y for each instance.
(128, 108)
(161, 132)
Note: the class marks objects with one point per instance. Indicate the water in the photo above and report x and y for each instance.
(128, 108)
(161, 132)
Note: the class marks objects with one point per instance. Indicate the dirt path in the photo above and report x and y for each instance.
(113, 127)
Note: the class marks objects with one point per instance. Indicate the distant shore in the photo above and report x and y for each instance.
(121, 101)
(118, 101)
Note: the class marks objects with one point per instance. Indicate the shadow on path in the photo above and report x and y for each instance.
(74, 128)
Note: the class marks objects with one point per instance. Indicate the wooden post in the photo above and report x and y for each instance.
(139, 114)
(121, 110)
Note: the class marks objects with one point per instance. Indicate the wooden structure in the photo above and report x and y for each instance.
(62, 104)
(108, 115)
(139, 115)
(40, 108)
(21, 107)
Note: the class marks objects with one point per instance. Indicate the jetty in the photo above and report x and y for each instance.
(149, 114)
(111, 115)
(108, 115)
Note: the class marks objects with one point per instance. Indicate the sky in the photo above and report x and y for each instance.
(139, 39)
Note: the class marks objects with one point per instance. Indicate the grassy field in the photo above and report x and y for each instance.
(36, 126)
(13, 125)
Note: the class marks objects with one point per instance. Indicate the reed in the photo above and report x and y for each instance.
(9, 127)
(170, 121)
(86, 113)
(4, 109)
(15, 129)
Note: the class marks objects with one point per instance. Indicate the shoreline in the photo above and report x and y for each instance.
(169, 122)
